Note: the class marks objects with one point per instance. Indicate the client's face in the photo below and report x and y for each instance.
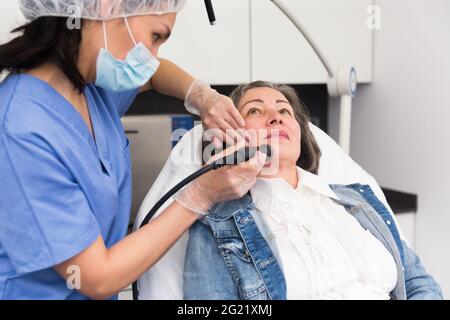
(270, 119)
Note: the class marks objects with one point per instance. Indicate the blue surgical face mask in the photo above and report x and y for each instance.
(133, 72)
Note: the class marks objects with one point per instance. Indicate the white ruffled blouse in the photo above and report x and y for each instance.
(323, 251)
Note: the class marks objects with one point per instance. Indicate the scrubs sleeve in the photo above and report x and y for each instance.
(123, 100)
(45, 218)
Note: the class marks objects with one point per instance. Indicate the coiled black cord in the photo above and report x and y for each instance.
(167, 196)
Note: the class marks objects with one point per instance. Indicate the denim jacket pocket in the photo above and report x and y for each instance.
(254, 291)
(249, 284)
(236, 254)
(236, 246)
(240, 263)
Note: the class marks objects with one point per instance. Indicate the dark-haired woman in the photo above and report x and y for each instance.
(65, 164)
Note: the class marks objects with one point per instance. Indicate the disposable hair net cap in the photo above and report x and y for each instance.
(97, 9)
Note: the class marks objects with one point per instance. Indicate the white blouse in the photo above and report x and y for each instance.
(323, 251)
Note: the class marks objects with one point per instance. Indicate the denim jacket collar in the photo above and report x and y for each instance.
(357, 199)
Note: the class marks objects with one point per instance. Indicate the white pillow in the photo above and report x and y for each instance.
(336, 167)
(165, 280)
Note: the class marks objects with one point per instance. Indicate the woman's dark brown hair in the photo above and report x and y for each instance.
(46, 39)
(310, 151)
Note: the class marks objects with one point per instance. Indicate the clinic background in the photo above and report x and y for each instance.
(400, 132)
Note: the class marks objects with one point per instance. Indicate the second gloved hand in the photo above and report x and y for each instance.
(227, 183)
(217, 111)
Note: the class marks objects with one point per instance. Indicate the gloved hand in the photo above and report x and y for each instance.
(217, 112)
(227, 183)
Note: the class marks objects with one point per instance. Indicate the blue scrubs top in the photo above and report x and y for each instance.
(60, 188)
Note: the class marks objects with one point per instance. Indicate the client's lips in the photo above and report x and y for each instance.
(278, 134)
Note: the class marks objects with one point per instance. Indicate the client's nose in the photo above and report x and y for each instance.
(275, 118)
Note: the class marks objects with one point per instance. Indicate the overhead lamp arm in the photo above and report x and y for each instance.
(342, 83)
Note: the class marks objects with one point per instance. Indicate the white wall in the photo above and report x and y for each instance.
(10, 17)
(401, 122)
(338, 28)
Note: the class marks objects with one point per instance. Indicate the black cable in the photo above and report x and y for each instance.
(174, 190)
(167, 196)
(210, 11)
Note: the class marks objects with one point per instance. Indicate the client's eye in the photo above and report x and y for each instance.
(253, 111)
(285, 111)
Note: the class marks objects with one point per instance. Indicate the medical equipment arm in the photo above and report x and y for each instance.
(210, 11)
(342, 83)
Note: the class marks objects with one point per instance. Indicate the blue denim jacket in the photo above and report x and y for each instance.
(229, 259)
